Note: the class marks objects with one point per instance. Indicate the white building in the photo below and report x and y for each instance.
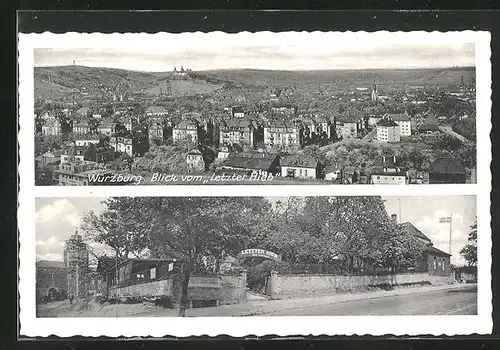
(403, 120)
(302, 167)
(122, 144)
(388, 131)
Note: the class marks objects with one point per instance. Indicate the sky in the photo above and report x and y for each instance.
(283, 51)
(57, 218)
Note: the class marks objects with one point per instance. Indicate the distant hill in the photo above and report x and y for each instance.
(57, 81)
(54, 82)
(443, 76)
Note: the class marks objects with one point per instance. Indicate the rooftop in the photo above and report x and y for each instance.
(386, 123)
(447, 166)
(156, 110)
(300, 161)
(257, 161)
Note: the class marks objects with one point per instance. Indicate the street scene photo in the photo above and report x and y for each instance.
(256, 108)
(256, 256)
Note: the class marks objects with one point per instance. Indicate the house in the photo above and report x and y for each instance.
(52, 127)
(186, 130)
(72, 154)
(83, 112)
(155, 130)
(76, 173)
(429, 129)
(126, 121)
(403, 120)
(156, 111)
(223, 153)
(389, 171)
(301, 167)
(51, 281)
(106, 128)
(259, 162)
(281, 135)
(284, 109)
(194, 161)
(237, 112)
(447, 171)
(350, 175)
(466, 274)
(347, 126)
(87, 140)
(373, 120)
(333, 172)
(50, 157)
(122, 145)
(100, 154)
(81, 127)
(237, 131)
(434, 261)
(388, 131)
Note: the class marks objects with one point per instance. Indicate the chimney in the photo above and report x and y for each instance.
(394, 158)
(383, 159)
(394, 218)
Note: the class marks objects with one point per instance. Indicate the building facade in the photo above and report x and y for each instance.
(300, 167)
(239, 132)
(186, 130)
(51, 281)
(281, 135)
(388, 131)
(194, 161)
(122, 145)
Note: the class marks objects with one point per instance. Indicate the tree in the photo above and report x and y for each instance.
(118, 227)
(469, 251)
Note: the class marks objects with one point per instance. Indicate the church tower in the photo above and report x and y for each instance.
(374, 96)
(76, 259)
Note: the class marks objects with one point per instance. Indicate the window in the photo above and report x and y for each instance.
(140, 276)
(435, 264)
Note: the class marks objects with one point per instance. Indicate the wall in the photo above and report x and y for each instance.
(150, 289)
(225, 289)
(291, 284)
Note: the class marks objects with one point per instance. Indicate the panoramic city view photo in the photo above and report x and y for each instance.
(250, 256)
(258, 109)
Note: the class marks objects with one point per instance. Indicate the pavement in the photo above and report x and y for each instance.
(448, 299)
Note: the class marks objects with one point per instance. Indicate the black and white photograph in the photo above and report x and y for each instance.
(256, 108)
(250, 256)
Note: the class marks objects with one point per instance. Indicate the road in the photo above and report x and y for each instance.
(461, 301)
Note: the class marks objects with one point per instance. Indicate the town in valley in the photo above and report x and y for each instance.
(401, 126)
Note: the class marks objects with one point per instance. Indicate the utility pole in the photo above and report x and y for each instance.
(77, 278)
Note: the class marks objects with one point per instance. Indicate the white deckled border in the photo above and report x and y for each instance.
(244, 326)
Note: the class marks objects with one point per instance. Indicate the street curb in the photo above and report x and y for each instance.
(403, 292)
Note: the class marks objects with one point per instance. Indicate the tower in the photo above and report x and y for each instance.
(374, 96)
(76, 259)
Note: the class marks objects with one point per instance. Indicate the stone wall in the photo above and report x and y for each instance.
(225, 289)
(149, 289)
(295, 284)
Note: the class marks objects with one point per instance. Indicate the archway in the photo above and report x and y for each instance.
(259, 264)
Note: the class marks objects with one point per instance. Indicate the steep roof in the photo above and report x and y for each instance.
(398, 117)
(53, 264)
(411, 229)
(387, 123)
(257, 161)
(436, 251)
(447, 166)
(428, 127)
(302, 161)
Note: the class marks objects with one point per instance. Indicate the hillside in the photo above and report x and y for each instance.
(55, 82)
(443, 76)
